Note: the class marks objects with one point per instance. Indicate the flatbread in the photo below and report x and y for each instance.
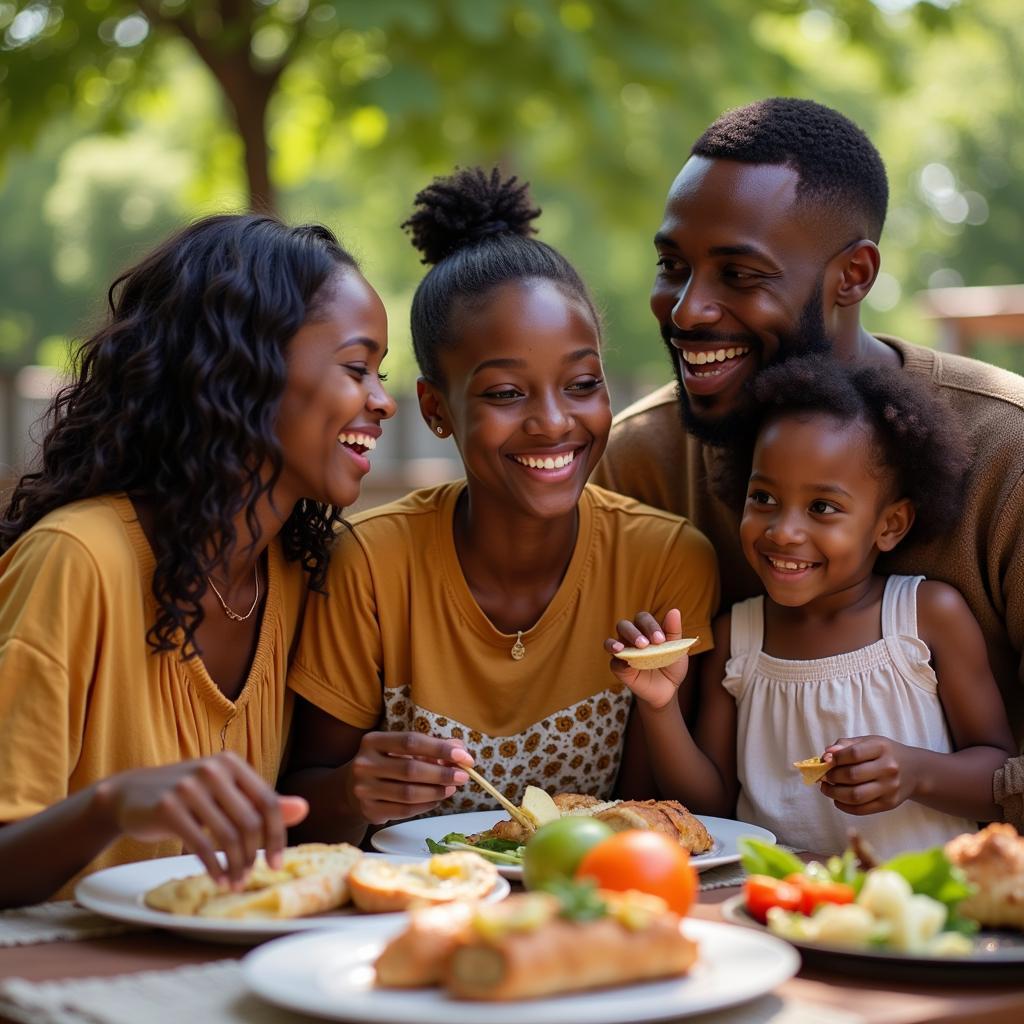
(312, 879)
(812, 770)
(656, 655)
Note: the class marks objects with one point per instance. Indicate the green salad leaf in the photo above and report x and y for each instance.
(578, 901)
(498, 851)
(929, 872)
(761, 858)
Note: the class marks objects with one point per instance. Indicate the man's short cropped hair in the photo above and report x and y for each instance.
(837, 164)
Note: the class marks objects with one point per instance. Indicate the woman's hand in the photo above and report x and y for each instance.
(401, 774)
(656, 687)
(212, 803)
(869, 774)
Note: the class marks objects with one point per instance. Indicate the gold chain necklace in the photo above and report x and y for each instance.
(518, 650)
(230, 612)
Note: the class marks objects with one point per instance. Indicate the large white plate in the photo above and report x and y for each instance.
(409, 838)
(332, 976)
(118, 893)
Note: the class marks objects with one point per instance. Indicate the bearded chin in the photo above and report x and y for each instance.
(731, 428)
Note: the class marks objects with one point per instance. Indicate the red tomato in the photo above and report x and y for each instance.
(814, 892)
(647, 861)
(762, 893)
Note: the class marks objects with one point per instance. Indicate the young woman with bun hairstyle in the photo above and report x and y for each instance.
(462, 624)
(154, 568)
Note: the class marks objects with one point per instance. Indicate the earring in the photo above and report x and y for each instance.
(440, 430)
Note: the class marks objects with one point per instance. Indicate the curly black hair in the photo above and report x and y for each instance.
(918, 440)
(837, 163)
(474, 228)
(174, 402)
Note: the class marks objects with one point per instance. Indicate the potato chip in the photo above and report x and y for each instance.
(657, 655)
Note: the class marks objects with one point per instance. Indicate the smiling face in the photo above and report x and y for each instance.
(334, 401)
(818, 510)
(741, 267)
(524, 397)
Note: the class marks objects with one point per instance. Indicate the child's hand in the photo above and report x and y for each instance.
(212, 803)
(401, 774)
(656, 687)
(869, 774)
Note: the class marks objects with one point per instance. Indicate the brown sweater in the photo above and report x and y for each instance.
(651, 458)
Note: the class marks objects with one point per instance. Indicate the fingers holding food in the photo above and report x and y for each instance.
(210, 803)
(311, 879)
(400, 774)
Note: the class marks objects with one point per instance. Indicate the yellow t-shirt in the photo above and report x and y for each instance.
(82, 695)
(399, 642)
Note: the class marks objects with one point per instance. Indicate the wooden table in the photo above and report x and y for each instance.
(819, 995)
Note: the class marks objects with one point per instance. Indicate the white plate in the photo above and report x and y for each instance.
(118, 893)
(332, 976)
(409, 838)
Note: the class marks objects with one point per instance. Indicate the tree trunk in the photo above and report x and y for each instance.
(249, 100)
(246, 89)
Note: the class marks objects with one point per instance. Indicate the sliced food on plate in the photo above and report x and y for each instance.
(315, 878)
(538, 944)
(380, 886)
(505, 841)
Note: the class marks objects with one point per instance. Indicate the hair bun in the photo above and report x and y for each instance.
(466, 207)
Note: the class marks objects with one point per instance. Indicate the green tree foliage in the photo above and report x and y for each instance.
(120, 117)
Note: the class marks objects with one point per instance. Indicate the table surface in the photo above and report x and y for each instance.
(834, 995)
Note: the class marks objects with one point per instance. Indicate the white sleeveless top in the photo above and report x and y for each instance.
(789, 710)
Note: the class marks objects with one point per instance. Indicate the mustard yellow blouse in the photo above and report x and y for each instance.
(82, 695)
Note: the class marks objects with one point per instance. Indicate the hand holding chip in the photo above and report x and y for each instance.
(869, 774)
(650, 658)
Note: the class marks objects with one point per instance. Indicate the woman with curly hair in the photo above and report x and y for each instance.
(464, 622)
(887, 679)
(154, 569)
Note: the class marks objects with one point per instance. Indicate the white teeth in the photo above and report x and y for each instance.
(778, 563)
(363, 440)
(719, 355)
(548, 462)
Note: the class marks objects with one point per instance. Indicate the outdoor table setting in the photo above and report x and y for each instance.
(126, 951)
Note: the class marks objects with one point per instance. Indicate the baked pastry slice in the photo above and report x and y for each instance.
(524, 948)
(312, 879)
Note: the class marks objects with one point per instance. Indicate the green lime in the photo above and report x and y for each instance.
(557, 848)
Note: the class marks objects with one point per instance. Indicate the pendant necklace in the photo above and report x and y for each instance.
(518, 650)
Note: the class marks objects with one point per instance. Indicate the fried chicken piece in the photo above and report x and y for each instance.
(507, 829)
(993, 860)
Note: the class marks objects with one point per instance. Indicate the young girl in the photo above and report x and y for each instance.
(887, 678)
(462, 622)
(155, 568)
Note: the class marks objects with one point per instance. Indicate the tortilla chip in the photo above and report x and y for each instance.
(656, 655)
(812, 770)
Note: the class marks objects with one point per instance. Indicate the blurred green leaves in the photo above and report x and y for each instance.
(120, 117)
